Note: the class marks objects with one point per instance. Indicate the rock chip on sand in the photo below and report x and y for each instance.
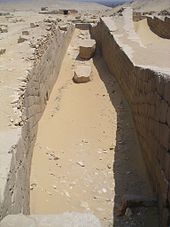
(2, 51)
(82, 74)
(25, 33)
(21, 39)
(87, 48)
(3, 28)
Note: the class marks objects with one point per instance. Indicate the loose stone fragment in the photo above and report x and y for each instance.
(2, 51)
(81, 164)
(25, 32)
(82, 74)
(87, 48)
(3, 28)
(63, 27)
(21, 39)
(34, 25)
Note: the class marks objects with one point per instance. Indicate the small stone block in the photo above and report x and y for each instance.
(87, 48)
(82, 74)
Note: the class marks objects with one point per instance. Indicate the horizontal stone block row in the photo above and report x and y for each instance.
(148, 93)
(41, 79)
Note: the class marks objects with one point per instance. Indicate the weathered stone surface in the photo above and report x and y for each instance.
(87, 48)
(82, 74)
(63, 220)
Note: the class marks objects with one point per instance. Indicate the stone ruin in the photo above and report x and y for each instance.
(145, 85)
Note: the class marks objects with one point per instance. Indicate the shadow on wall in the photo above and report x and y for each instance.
(129, 170)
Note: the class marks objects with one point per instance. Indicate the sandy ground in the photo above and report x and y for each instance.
(84, 154)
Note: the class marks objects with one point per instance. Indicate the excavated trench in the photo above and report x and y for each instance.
(86, 155)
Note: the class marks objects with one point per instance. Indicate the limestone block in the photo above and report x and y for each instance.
(168, 117)
(82, 74)
(87, 48)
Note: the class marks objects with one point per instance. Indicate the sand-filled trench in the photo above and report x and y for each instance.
(83, 159)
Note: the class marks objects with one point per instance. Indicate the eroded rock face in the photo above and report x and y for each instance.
(87, 48)
(82, 74)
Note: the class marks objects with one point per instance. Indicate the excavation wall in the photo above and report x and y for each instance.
(39, 83)
(160, 27)
(148, 93)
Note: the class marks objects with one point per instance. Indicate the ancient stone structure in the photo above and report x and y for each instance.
(66, 219)
(15, 171)
(87, 48)
(147, 89)
(82, 74)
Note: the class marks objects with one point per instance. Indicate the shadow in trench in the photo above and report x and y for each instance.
(130, 176)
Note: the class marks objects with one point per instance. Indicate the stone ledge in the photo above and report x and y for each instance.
(62, 220)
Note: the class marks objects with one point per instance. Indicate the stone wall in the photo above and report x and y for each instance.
(14, 196)
(148, 93)
(160, 26)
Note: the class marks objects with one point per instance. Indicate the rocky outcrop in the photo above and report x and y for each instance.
(87, 48)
